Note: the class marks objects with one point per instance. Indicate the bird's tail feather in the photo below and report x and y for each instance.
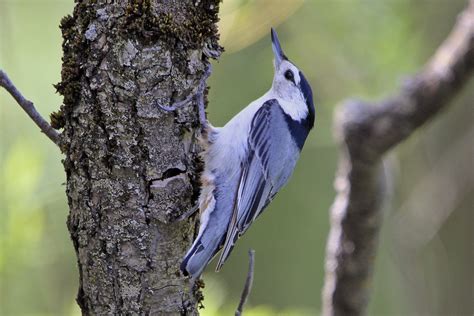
(228, 246)
(199, 256)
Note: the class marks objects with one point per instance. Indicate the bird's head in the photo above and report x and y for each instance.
(289, 83)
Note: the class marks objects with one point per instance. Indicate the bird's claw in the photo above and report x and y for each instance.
(188, 213)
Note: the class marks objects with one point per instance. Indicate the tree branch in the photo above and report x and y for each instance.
(29, 108)
(365, 132)
(248, 284)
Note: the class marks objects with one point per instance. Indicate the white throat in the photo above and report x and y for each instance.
(294, 106)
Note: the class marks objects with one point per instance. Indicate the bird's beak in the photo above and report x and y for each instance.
(277, 51)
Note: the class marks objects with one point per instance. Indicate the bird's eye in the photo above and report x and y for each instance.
(289, 76)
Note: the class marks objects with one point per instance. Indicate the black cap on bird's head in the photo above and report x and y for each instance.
(289, 82)
(277, 51)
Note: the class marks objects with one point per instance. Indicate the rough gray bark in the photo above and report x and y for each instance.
(131, 167)
(365, 132)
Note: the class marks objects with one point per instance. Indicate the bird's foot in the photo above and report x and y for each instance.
(198, 95)
(187, 214)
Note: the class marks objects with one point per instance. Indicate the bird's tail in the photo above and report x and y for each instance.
(199, 255)
(211, 234)
(208, 241)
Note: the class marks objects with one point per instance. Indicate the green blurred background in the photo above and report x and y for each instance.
(346, 48)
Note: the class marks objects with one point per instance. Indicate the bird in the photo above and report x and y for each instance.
(248, 160)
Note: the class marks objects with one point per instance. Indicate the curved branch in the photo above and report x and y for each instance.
(367, 131)
(29, 108)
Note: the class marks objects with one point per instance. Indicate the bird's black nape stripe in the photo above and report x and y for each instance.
(308, 96)
(299, 129)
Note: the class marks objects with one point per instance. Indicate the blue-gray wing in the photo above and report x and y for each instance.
(269, 163)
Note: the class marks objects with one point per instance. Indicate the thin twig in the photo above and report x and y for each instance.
(248, 284)
(29, 108)
(365, 133)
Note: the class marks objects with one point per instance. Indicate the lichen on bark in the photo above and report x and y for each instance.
(131, 167)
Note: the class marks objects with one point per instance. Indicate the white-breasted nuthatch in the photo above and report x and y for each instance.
(249, 160)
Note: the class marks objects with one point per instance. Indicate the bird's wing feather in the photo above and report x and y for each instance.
(255, 187)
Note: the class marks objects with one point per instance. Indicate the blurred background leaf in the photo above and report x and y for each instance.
(361, 48)
(242, 22)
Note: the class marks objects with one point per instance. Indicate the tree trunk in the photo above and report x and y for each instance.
(131, 167)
